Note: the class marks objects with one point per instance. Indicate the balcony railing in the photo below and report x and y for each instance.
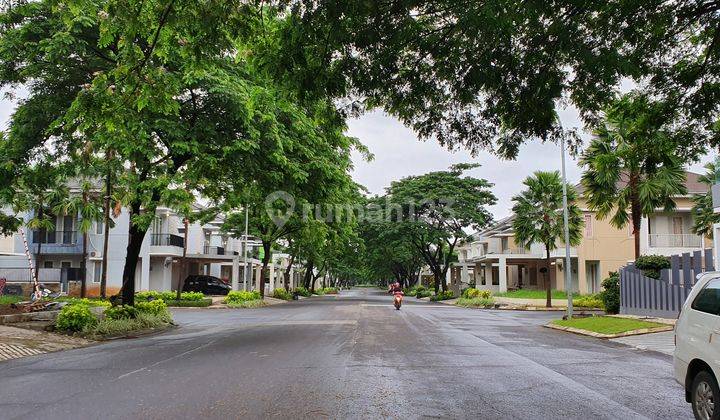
(516, 251)
(213, 250)
(61, 237)
(675, 240)
(166, 239)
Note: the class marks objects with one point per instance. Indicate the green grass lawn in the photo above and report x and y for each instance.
(607, 324)
(8, 299)
(532, 294)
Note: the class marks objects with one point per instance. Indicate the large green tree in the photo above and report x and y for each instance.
(494, 74)
(632, 167)
(538, 216)
(180, 92)
(435, 211)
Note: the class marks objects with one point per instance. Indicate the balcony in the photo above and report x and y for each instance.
(213, 250)
(56, 242)
(675, 240)
(166, 239)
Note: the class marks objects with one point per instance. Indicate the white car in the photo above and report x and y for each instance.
(697, 347)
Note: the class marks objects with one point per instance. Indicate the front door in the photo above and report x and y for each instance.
(68, 230)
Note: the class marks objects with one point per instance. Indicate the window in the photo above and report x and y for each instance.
(48, 264)
(97, 272)
(100, 227)
(588, 226)
(708, 300)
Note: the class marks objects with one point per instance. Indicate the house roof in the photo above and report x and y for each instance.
(693, 185)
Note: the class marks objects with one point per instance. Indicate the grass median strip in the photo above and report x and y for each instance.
(607, 325)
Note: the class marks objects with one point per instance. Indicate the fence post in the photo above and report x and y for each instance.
(675, 267)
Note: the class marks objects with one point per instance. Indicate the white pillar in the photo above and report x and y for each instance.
(236, 273)
(464, 274)
(448, 274)
(259, 281)
(644, 236)
(145, 273)
(271, 285)
(488, 274)
(502, 274)
(167, 274)
(292, 279)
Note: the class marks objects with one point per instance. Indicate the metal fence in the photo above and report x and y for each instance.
(663, 297)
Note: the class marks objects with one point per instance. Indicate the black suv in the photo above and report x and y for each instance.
(207, 284)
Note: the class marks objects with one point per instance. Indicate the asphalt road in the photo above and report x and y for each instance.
(348, 356)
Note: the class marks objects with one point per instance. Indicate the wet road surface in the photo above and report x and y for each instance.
(347, 356)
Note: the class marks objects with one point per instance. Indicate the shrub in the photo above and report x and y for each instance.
(190, 296)
(155, 307)
(302, 291)
(589, 301)
(423, 293)
(121, 312)
(167, 295)
(611, 293)
(235, 297)
(652, 264)
(475, 302)
(472, 293)
(319, 292)
(84, 301)
(75, 318)
(109, 326)
(247, 304)
(190, 303)
(282, 294)
(442, 296)
(330, 290)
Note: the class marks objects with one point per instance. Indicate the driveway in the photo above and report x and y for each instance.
(347, 356)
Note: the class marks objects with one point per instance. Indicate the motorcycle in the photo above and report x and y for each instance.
(397, 300)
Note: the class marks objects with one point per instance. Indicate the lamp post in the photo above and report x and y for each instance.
(245, 244)
(568, 266)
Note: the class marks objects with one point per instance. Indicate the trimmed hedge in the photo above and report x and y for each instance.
(190, 303)
(652, 264)
(282, 294)
(442, 296)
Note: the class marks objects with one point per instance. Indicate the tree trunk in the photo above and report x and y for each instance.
(135, 240)
(548, 282)
(287, 272)
(265, 263)
(106, 234)
(39, 251)
(636, 210)
(182, 272)
(83, 260)
(308, 275)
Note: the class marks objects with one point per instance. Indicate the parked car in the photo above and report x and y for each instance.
(209, 285)
(697, 347)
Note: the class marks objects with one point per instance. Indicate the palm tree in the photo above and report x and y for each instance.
(539, 216)
(704, 216)
(631, 166)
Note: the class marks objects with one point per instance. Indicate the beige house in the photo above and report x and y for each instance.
(495, 262)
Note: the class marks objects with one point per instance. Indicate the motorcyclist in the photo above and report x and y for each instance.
(395, 288)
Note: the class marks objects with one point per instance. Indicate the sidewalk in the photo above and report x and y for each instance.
(662, 342)
(20, 342)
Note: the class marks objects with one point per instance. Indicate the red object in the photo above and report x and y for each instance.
(397, 301)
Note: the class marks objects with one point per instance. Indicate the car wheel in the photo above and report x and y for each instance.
(705, 396)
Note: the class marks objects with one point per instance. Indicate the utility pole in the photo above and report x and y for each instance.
(568, 266)
(245, 259)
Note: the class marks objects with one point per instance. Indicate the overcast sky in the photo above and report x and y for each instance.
(398, 153)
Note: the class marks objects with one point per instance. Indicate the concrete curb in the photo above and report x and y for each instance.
(647, 318)
(28, 317)
(606, 336)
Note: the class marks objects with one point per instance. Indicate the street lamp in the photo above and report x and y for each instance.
(568, 266)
